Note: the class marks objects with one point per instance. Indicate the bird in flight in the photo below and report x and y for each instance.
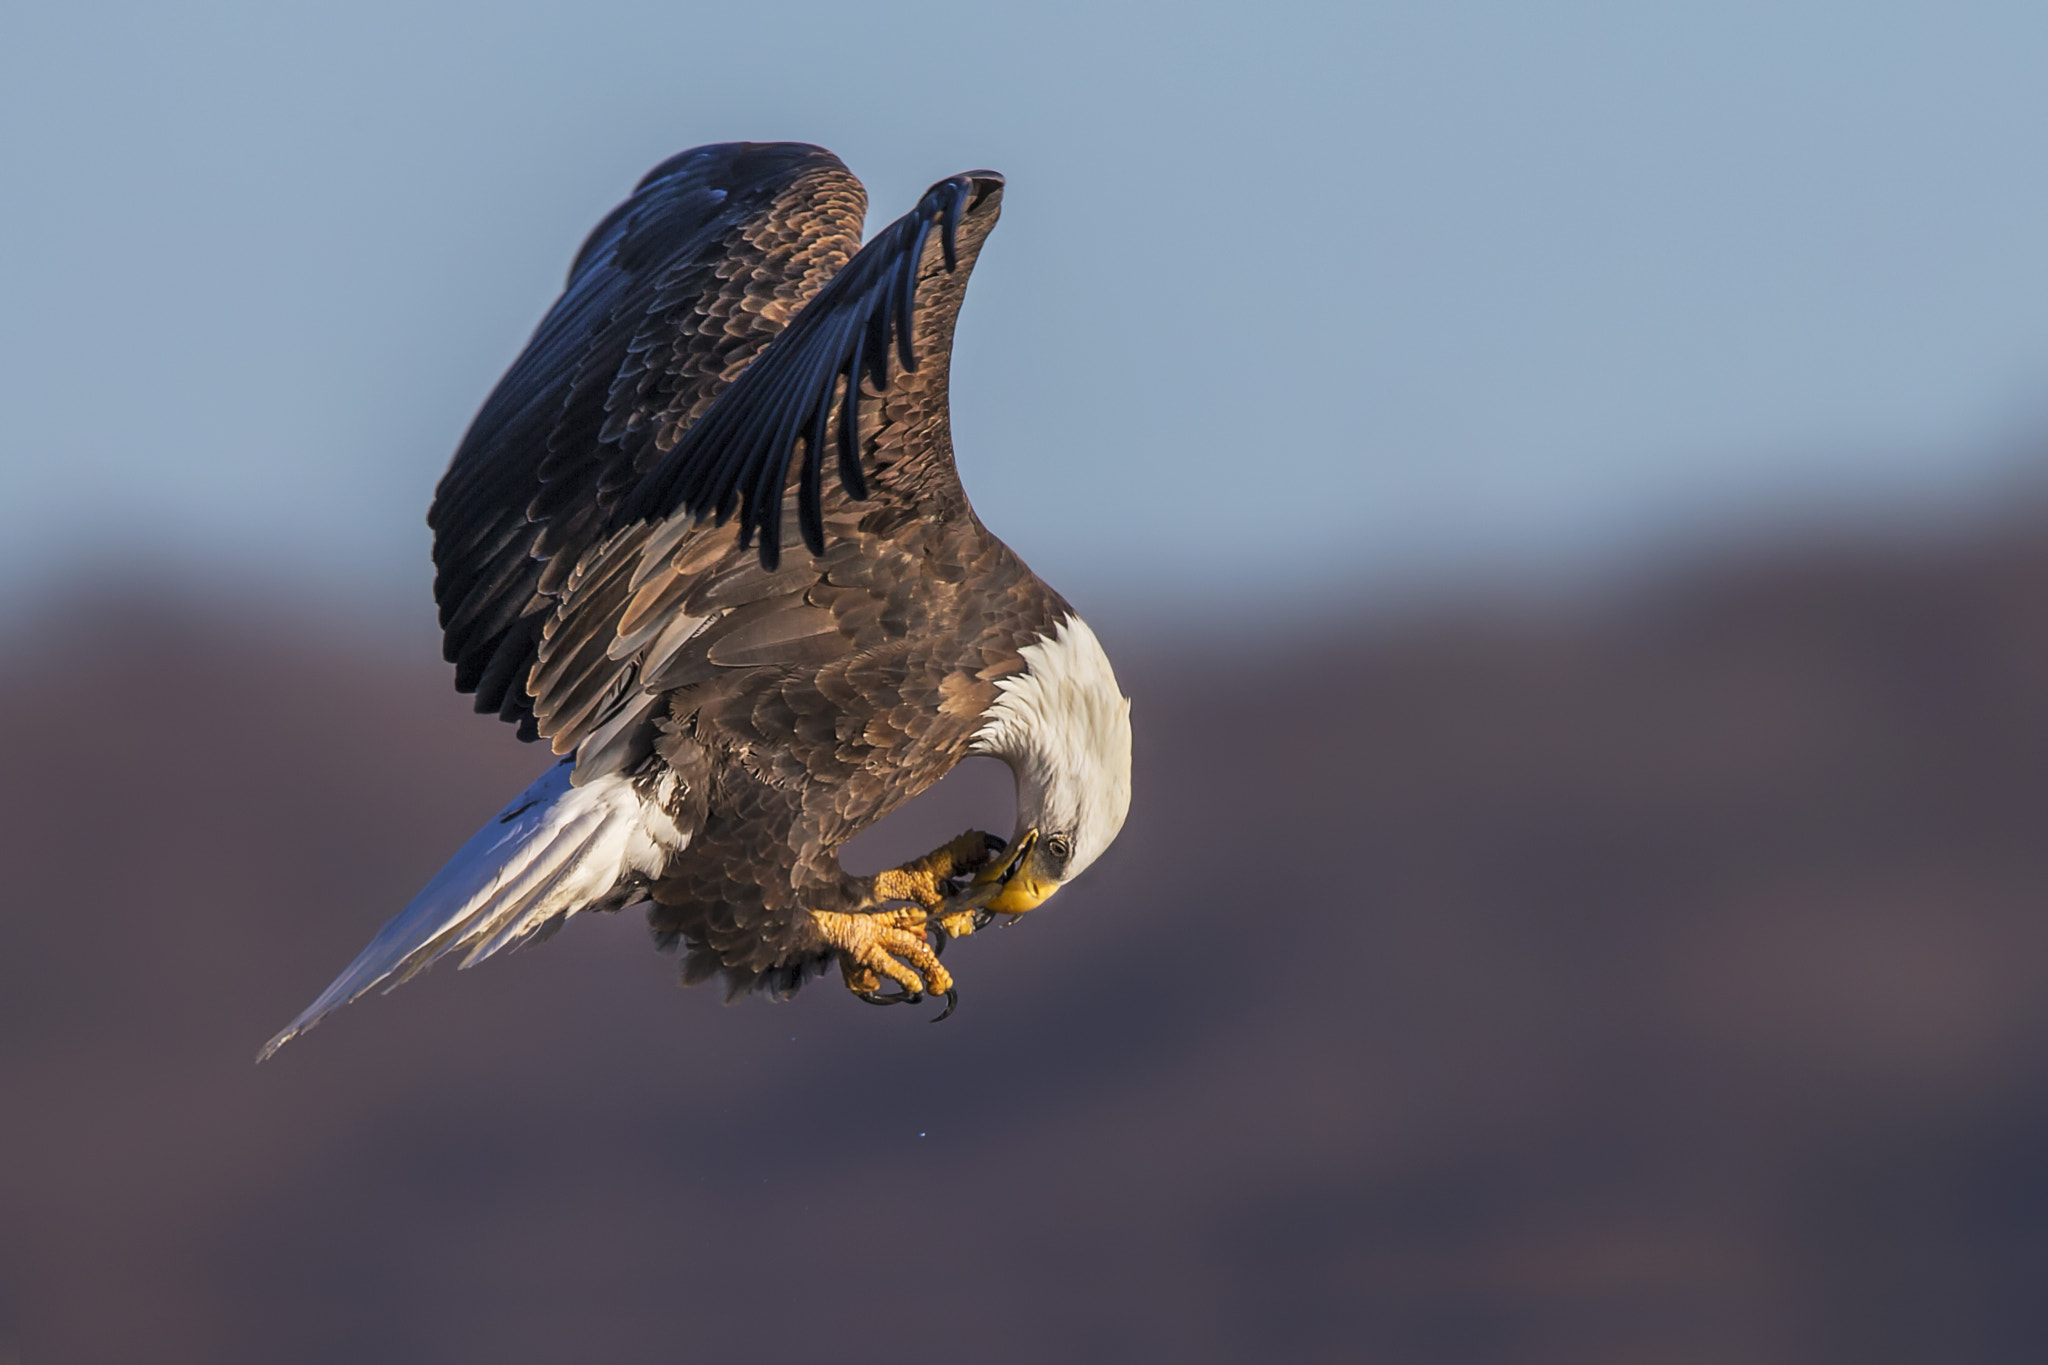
(706, 538)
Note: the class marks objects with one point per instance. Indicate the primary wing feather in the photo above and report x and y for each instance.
(811, 382)
(670, 298)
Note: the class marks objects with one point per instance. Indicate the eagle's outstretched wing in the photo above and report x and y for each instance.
(619, 577)
(809, 384)
(671, 297)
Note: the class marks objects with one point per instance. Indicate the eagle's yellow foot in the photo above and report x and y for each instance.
(891, 943)
(927, 882)
(961, 923)
(924, 881)
(887, 943)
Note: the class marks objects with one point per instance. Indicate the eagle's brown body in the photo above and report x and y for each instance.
(612, 573)
(798, 758)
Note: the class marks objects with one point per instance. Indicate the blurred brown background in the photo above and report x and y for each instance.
(1571, 913)
(1657, 978)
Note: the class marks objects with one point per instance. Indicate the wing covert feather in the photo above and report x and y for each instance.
(670, 298)
(900, 298)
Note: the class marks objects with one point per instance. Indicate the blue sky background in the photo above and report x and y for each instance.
(1288, 303)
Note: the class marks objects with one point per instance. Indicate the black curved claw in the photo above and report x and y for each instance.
(952, 1003)
(939, 941)
(902, 997)
(995, 845)
(983, 917)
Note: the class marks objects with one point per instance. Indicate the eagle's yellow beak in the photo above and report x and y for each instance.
(1005, 887)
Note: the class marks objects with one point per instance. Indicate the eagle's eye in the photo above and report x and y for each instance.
(1060, 847)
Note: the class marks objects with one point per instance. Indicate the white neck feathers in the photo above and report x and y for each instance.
(1065, 730)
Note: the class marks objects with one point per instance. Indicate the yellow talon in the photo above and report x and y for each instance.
(891, 944)
(960, 923)
(888, 944)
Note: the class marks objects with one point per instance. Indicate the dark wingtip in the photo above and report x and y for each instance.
(950, 237)
(985, 189)
(979, 184)
(721, 162)
(954, 198)
(742, 457)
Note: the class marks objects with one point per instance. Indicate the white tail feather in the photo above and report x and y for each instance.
(554, 850)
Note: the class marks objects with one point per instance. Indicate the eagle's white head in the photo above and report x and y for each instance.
(1065, 730)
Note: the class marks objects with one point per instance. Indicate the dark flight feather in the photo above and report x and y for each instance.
(737, 456)
(676, 290)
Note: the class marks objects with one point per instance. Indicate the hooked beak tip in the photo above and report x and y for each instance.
(1004, 888)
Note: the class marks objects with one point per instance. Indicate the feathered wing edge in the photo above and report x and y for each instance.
(678, 287)
(737, 455)
(554, 850)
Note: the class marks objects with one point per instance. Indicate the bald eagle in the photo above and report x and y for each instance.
(706, 538)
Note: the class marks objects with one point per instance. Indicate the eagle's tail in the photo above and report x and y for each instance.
(553, 851)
